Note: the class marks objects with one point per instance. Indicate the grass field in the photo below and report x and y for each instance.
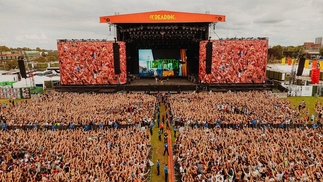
(158, 149)
(310, 102)
(6, 101)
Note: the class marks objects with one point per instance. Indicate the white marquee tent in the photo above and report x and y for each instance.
(38, 80)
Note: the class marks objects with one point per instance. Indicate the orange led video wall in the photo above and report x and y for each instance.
(234, 61)
(90, 63)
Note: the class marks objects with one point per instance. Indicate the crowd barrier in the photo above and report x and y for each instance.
(176, 123)
(69, 127)
(240, 126)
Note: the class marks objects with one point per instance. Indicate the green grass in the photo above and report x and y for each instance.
(6, 101)
(310, 102)
(158, 149)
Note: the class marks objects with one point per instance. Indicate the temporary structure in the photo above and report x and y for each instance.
(33, 81)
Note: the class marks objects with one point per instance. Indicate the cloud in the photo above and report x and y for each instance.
(3, 40)
(40, 24)
(41, 37)
(269, 19)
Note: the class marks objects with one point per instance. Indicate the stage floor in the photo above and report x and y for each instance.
(150, 84)
(152, 81)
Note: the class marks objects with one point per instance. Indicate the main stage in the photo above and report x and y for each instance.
(164, 44)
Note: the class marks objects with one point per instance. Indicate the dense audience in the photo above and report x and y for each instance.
(249, 155)
(81, 109)
(201, 154)
(74, 155)
(234, 108)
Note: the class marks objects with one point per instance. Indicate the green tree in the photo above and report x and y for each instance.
(4, 48)
(51, 58)
(289, 48)
(40, 59)
(277, 51)
(26, 49)
(321, 51)
(298, 50)
(53, 54)
(11, 64)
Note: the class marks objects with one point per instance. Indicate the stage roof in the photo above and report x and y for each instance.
(163, 17)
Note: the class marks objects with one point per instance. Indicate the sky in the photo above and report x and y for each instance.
(39, 23)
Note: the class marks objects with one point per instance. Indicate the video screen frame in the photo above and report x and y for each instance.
(163, 63)
(90, 63)
(234, 61)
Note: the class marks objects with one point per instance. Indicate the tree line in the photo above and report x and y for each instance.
(45, 56)
(278, 52)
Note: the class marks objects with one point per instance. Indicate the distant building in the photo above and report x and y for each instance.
(312, 49)
(312, 46)
(31, 55)
(319, 40)
(10, 55)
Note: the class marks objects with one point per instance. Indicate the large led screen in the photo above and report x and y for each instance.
(235, 61)
(90, 63)
(162, 63)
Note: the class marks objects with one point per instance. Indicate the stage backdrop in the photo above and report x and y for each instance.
(162, 62)
(90, 63)
(235, 61)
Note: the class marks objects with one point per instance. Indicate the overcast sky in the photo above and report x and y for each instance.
(39, 23)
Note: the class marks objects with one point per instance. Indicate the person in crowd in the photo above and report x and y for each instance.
(158, 167)
(166, 172)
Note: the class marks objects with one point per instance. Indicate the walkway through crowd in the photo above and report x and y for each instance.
(161, 139)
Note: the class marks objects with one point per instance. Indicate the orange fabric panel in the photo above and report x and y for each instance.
(289, 61)
(314, 64)
(162, 17)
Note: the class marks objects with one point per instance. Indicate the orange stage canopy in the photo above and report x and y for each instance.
(163, 17)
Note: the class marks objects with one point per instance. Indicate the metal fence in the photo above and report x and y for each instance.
(240, 126)
(70, 127)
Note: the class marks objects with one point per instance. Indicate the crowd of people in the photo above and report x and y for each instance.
(249, 155)
(234, 108)
(80, 109)
(74, 155)
(121, 154)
